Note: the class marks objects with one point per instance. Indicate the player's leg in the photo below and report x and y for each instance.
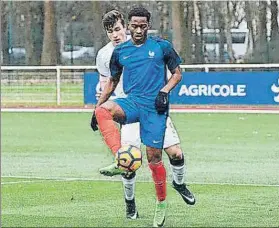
(152, 130)
(130, 136)
(177, 164)
(129, 194)
(154, 157)
(106, 115)
(123, 111)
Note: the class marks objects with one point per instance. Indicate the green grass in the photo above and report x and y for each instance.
(41, 150)
(99, 204)
(41, 94)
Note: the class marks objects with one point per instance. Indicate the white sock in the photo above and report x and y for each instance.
(129, 188)
(178, 173)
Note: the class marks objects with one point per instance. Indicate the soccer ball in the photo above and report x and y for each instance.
(128, 158)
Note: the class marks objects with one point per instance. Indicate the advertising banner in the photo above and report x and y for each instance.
(226, 88)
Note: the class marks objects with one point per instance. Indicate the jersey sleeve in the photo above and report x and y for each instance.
(115, 66)
(102, 64)
(171, 57)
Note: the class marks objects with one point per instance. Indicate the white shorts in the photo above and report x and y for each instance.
(130, 134)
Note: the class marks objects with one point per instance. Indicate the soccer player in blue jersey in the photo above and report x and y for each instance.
(143, 62)
(114, 25)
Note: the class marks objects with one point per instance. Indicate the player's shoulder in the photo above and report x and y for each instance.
(108, 48)
(103, 59)
(121, 46)
(162, 42)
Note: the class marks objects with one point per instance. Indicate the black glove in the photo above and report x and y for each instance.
(94, 123)
(162, 102)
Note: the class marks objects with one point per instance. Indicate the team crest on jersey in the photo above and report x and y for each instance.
(151, 54)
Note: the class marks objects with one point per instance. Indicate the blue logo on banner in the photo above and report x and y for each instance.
(247, 88)
(275, 89)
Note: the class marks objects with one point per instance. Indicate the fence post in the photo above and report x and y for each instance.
(58, 85)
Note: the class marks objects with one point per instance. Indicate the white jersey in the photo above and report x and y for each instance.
(102, 62)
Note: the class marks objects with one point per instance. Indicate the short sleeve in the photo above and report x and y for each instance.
(171, 57)
(115, 66)
(102, 64)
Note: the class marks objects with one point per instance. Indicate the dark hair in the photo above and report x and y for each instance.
(110, 18)
(139, 12)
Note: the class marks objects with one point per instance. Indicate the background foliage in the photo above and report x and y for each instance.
(70, 32)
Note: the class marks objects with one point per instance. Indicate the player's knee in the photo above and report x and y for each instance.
(99, 112)
(102, 113)
(177, 161)
(177, 156)
(174, 152)
(153, 155)
(154, 159)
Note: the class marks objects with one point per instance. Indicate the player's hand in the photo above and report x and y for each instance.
(162, 102)
(94, 123)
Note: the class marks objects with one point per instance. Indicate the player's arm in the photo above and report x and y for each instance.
(102, 63)
(108, 85)
(109, 88)
(172, 60)
(175, 78)
(102, 81)
(115, 71)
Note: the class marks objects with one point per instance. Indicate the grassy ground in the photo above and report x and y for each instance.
(50, 177)
(41, 94)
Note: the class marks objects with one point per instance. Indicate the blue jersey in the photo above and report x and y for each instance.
(144, 68)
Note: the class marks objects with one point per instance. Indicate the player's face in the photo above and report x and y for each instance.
(138, 27)
(117, 33)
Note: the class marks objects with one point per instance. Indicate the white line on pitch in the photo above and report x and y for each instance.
(68, 179)
(186, 110)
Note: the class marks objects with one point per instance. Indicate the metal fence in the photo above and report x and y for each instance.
(63, 85)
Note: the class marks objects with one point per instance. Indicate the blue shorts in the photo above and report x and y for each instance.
(152, 125)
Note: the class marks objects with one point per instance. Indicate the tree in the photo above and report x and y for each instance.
(188, 32)
(97, 20)
(164, 19)
(182, 19)
(262, 31)
(256, 15)
(251, 39)
(50, 43)
(274, 34)
(260, 54)
(33, 21)
(221, 25)
(228, 21)
(198, 32)
(178, 26)
(4, 32)
(274, 23)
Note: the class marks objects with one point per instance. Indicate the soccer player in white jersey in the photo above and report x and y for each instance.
(114, 25)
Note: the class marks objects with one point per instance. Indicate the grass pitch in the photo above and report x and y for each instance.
(41, 94)
(50, 177)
